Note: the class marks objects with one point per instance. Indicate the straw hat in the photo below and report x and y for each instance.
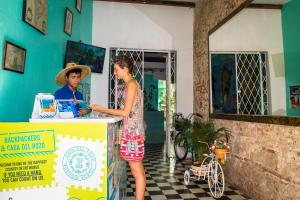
(60, 77)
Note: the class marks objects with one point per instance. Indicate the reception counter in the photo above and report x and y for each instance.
(63, 159)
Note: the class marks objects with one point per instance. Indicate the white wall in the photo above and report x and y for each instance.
(145, 27)
(257, 30)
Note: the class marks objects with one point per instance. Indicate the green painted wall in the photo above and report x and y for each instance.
(291, 43)
(45, 53)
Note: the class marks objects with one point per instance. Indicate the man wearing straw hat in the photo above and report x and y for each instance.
(70, 78)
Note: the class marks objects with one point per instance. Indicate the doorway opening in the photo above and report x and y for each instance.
(156, 73)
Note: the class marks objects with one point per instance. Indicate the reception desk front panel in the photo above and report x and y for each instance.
(61, 160)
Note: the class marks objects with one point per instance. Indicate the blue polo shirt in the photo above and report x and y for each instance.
(66, 93)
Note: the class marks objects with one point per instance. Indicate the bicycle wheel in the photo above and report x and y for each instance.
(180, 147)
(186, 177)
(215, 179)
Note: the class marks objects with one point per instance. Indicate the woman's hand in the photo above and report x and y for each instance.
(98, 108)
(84, 111)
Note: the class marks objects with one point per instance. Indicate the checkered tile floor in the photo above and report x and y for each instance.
(161, 184)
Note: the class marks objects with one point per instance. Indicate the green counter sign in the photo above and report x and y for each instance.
(22, 143)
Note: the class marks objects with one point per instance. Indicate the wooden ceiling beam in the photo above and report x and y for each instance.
(265, 6)
(156, 2)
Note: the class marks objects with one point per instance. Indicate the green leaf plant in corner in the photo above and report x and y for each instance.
(205, 131)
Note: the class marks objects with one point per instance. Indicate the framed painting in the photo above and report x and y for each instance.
(68, 22)
(35, 13)
(78, 5)
(14, 58)
(295, 97)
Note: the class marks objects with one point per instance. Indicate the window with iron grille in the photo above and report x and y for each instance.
(116, 86)
(240, 83)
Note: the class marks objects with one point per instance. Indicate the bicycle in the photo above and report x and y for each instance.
(182, 145)
(209, 169)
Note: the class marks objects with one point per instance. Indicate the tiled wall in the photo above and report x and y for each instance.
(265, 158)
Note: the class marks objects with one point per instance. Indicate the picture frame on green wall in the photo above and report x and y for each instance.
(295, 97)
(35, 13)
(78, 5)
(68, 21)
(14, 57)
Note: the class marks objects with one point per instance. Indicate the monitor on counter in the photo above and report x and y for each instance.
(85, 54)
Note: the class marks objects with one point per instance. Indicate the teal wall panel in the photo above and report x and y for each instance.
(155, 133)
(291, 43)
(44, 56)
(154, 119)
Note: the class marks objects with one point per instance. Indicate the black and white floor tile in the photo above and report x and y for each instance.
(165, 180)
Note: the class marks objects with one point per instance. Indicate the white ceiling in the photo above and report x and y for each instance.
(280, 2)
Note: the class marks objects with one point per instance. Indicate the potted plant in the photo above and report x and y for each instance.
(205, 131)
(193, 131)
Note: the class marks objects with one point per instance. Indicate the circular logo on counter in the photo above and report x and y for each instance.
(79, 163)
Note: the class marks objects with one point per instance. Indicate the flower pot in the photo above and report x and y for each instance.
(220, 153)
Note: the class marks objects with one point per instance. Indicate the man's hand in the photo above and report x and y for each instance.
(75, 101)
